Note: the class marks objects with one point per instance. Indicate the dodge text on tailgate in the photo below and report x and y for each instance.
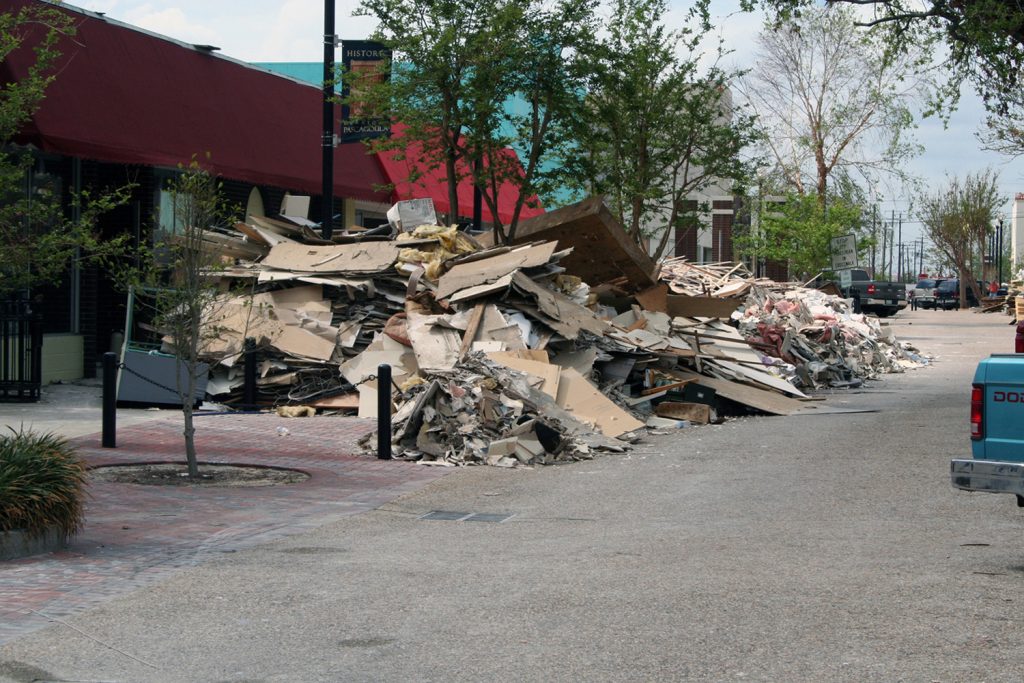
(997, 429)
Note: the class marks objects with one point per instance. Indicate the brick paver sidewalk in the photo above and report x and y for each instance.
(136, 535)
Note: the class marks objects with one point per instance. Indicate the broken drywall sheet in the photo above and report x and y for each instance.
(761, 399)
(304, 344)
(586, 403)
(499, 285)
(489, 270)
(363, 257)
(569, 315)
(581, 360)
(534, 365)
(436, 347)
(760, 377)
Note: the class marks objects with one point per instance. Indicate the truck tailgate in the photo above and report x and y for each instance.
(1003, 417)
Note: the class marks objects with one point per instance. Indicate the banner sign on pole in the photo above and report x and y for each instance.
(365, 63)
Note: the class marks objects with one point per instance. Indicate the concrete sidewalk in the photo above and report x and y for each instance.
(74, 409)
(136, 535)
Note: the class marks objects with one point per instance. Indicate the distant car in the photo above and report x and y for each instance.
(924, 293)
(947, 295)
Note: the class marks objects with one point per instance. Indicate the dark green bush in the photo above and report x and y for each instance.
(42, 483)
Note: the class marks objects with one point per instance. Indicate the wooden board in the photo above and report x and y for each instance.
(698, 413)
(602, 250)
(700, 306)
(341, 401)
(766, 401)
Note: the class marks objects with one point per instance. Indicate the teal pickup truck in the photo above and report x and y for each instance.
(997, 429)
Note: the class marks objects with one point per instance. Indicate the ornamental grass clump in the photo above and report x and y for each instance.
(42, 484)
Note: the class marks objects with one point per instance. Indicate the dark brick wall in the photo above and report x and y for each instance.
(686, 236)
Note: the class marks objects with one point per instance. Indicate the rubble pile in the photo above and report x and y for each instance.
(567, 341)
(820, 340)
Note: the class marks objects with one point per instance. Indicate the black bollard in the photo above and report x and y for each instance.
(384, 412)
(110, 400)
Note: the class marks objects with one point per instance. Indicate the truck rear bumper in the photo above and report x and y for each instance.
(990, 476)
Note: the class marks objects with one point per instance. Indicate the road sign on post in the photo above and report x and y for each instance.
(844, 252)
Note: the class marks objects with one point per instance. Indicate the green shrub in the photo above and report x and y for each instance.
(42, 483)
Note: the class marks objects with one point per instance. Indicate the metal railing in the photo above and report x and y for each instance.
(21, 352)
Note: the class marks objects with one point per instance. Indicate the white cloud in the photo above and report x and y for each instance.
(173, 22)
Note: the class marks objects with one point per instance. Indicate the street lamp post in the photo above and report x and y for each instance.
(327, 139)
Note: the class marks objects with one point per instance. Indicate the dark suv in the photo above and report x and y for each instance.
(947, 295)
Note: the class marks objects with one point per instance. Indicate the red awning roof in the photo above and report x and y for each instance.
(123, 95)
(433, 183)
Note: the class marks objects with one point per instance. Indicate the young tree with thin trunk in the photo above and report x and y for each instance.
(959, 218)
(830, 99)
(189, 301)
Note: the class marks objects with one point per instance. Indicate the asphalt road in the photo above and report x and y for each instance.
(820, 548)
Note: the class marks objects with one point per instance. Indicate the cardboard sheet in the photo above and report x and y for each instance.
(305, 344)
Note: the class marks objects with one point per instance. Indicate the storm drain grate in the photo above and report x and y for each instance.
(450, 516)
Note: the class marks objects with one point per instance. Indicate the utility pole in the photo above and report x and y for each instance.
(920, 265)
(899, 270)
(874, 236)
(999, 253)
(327, 139)
(885, 234)
(892, 246)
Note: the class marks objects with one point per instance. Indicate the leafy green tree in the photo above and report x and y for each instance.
(658, 128)
(831, 101)
(456, 66)
(959, 218)
(38, 241)
(798, 231)
(980, 42)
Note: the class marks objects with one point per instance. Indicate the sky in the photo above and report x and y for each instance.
(292, 30)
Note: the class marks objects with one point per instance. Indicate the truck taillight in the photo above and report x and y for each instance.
(977, 400)
(871, 289)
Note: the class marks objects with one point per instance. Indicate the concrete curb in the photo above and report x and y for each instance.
(17, 544)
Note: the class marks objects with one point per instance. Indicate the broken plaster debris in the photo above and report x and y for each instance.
(521, 355)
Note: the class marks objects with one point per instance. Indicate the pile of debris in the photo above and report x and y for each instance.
(569, 340)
